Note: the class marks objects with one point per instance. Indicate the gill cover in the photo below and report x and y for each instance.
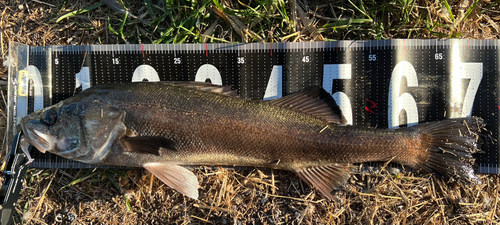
(102, 124)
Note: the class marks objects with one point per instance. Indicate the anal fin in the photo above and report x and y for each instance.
(326, 178)
(175, 176)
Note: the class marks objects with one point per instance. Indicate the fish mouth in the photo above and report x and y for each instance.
(36, 134)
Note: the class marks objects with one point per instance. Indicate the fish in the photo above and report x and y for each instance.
(166, 126)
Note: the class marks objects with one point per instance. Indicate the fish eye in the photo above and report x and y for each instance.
(49, 117)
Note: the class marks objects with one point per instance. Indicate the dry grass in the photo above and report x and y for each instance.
(251, 196)
(247, 196)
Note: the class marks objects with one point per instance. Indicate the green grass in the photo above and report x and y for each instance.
(195, 21)
(218, 21)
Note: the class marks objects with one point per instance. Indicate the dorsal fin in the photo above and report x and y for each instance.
(223, 90)
(314, 101)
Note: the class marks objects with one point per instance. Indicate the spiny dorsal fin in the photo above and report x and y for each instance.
(147, 144)
(223, 90)
(314, 101)
(176, 177)
(326, 178)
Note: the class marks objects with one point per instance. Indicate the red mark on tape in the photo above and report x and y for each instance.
(374, 105)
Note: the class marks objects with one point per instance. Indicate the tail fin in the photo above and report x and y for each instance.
(450, 144)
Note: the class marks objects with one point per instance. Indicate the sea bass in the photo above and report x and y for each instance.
(163, 126)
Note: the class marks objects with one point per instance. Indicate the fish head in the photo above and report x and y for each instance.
(74, 130)
(55, 129)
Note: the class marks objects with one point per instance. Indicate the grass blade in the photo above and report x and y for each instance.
(80, 11)
(470, 9)
(361, 11)
(127, 203)
(112, 180)
(227, 11)
(113, 31)
(449, 11)
(122, 25)
(149, 6)
(75, 182)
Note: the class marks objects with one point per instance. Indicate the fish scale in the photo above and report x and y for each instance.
(384, 83)
(163, 126)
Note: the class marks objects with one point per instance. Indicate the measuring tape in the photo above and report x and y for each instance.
(383, 84)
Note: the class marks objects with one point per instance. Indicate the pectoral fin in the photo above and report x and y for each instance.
(326, 178)
(147, 145)
(175, 176)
